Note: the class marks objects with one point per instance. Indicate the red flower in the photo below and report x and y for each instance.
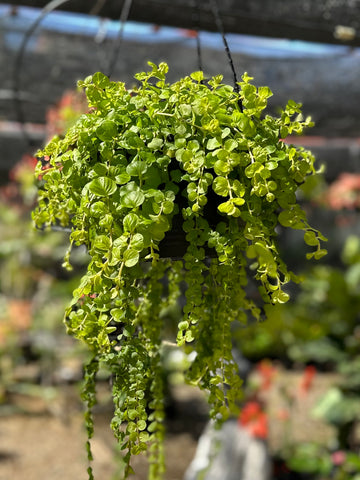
(344, 193)
(26, 164)
(254, 420)
(307, 379)
(267, 371)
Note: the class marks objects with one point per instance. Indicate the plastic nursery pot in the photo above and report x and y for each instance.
(175, 244)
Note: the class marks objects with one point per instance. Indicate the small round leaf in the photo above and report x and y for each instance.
(102, 186)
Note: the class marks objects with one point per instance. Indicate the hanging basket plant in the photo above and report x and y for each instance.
(198, 159)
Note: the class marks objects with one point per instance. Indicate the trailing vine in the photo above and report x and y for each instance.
(122, 178)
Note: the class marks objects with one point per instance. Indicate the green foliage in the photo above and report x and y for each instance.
(118, 178)
(321, 324)
(311, 458)
(321, 327)
(317, 461)
(32, 296)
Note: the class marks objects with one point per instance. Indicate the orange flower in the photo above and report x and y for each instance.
(254, 420)
(19, 312)
(17, 318)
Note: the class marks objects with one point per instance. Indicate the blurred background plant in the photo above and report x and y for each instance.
(35, 352)
(317, 335)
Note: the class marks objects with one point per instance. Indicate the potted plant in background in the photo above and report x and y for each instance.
(128, 177)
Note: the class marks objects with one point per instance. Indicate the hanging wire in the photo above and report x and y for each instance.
(96, 9)
(219, 24)
(198, 50)
(124, 15)
(18, 104)
(196, 4)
